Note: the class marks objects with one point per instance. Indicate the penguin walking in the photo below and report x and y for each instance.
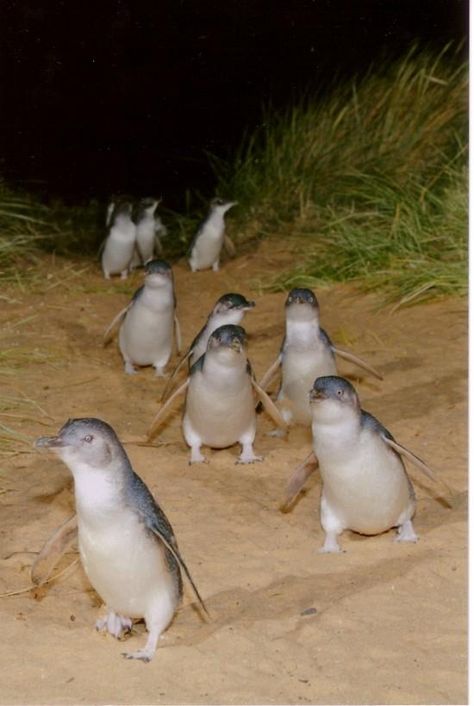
(127, 546)
(119, 245)
(147, 323)
(306, 353)
(229, 309)
(146, 240)
(220, 398)
(206, 246)
(365, 487)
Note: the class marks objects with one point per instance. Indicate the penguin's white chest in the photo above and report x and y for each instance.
(364, 482)
(146, 239)
(208, 245)
(220, 414)
(303, 361)
(119, 248)
(146, 335)
(125, 565)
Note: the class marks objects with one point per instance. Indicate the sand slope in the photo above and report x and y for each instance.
(381, 623)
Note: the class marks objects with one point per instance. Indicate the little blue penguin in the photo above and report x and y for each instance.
(220, 400)
(144, 218)
(126, 543)
(147, 323)
(306, 353)
(119, 245)
(365, 487)
(206, 246)
(229, 309)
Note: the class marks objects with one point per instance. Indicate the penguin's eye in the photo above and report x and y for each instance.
(339, 393)
(88, 438)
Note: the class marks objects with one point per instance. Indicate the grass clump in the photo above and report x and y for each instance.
(372, 180)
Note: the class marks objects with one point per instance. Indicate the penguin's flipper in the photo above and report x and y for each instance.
(164, 533)
(177, 333)
(178, 367)
(411, 457)
(114, 326)
(110, 210)
(229, 246)
(357, 361)
(298, 479)
(272, 370)
(52, 551)
(164, 408)
(269, 406)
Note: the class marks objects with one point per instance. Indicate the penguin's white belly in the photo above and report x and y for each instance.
(146, 336)
(146, 240)
(207, 248)
(299, 371)
(126, 566)
(364, 484)
(220, 417)
(118, 251)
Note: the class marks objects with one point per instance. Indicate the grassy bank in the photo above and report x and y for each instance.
(370, 182)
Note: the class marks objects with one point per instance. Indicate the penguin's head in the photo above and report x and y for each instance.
(301, 305)
(145, 207)
(234, 305)
(227, 342)
(157, 274)
(221, 205)
(332, 398)
(84, 442)
(122, 209)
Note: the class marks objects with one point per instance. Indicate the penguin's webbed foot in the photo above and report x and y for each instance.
(248, 456)
(406, 533)
(197, 457)
(114, 624)
(143, 655)
(215, 266)
(129, 368)
(124, 274)
(159, 371)
(331, 545)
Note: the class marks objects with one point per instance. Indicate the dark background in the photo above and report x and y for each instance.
(128, 95)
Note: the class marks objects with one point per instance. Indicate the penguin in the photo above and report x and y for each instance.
(146, 240)
(229, 309)
(127, 546)
(306, 353)
(146, 324)
(206, 246)
(365, 486)
(220, 401)
(119, 245)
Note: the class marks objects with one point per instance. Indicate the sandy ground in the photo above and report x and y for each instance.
(380, 623)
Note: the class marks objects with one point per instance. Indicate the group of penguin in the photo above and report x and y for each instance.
(135, 231)
(127, 545)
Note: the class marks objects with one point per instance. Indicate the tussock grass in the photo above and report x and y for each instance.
(371, 180)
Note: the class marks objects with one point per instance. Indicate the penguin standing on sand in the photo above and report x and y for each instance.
(229, 309)
(206, 246)
(306, 353)
(220, 398)
(365, 487)
(146, 240)
(119, 245)
(126, 543)
(148, 321)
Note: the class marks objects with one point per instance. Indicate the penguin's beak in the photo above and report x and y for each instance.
(236, 345)
(49, 442)
(315, 395)
(249, 305)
